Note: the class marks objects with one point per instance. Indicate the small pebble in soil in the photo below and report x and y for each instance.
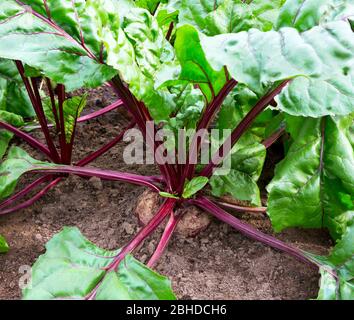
(38, 237)
(128, 228)
(96, 183)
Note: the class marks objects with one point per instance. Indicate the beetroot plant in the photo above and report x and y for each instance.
(253, 70)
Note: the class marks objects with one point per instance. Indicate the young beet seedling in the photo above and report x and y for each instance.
(197, 75)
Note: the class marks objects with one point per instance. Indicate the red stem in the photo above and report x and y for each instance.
(251, 232)
(24, 191)
(204, 123)
(105, 148)
(37, 105)
(90, 116)
(64, 148)
(103, 174)
(101, 112)
(169, 32)
(273, 138)
(160, 216)
(164, 210)
(52, 101)
(141, 116)
(242, 127)
(166, 236)
(33, 199)
(27, 138)
(82, 162)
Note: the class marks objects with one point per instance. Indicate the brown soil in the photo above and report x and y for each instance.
(218, 263)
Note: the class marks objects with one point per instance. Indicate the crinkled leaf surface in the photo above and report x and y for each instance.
(11, 118)
(236, 183)
(139, 50)
(248, 155)
(18, 162)
(216, 17)
(4, 247)
(73, 268)
(227, 16)
(13, 95)
(314, 185)
(194, 66)
(65, 48)
(320, 60)
(189, 106)
(305, 14)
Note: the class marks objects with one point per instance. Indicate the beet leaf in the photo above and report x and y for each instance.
(74, 268)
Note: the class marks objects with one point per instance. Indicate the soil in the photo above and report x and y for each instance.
(218, 263)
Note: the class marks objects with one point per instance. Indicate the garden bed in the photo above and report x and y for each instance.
(219, 263)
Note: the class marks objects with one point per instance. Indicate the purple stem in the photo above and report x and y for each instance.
(90, 116)
(105, 148)
(153, 224)
(24, 191)
(251, 232)
(166, 236)
(62, 136)
(52, 101)
(101, 112)
(273, 138)
(159, 217)
(37, 105)
(135, 109)
(242, 127)
(26, 137)
(204, 123)
(169, 32)
(102, 174)
(82, 162)
(33, 199)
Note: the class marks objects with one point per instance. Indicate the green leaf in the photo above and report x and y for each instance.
(228, 16)
(4, 247)
(337, 270)
(305, 14)
(165, 18)
(193, 186)
(236, 183)
(189, 106)
(248, 155)
(150, 5)
(73, 268)
(6, 136)
(13, 95)
(320, 60)
(167, 195)
(139, 50)
(194, 66)
(18, 162)
(11, 118)
(56, 48)
(318, 171)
